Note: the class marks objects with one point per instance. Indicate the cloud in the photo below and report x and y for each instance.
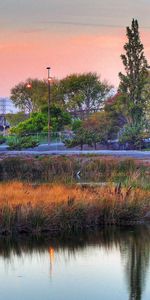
(93, 13)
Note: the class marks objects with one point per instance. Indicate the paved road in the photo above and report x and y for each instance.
(59, 149)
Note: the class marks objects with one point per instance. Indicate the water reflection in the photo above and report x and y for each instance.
(136, 251)
(51, 255)
(133, 244)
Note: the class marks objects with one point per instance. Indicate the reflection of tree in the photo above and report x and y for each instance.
(136, 250)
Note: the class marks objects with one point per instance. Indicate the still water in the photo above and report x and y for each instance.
(112, 264)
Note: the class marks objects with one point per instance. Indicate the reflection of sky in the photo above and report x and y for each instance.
(94, 273)
(71, 36)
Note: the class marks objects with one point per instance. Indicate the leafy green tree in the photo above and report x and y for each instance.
(38, 122)
(133, 136)
(30, 96)
(133, 82)
(146, 95)
(97, 128)
(115, 110)
(81, 137)
(82, 92)
(101, 127)
(59, 118)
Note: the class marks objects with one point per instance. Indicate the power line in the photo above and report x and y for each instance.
(91, 24)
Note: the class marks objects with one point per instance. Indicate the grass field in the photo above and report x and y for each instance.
(41, 195)
(52, 208)
(53, 169)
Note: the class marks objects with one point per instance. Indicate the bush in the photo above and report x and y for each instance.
(133, 136)
(80, 138)
(38, 122)
(34, 124)
(23, 143)
(2, 139)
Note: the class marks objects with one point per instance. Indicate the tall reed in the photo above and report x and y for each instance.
(53, 208)
(64, 170)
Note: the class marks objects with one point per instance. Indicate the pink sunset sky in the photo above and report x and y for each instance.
(70, 36)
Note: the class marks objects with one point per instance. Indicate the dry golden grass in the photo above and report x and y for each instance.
(52, 207)
(14, 193)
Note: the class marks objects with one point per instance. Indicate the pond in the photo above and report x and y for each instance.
(111, 264)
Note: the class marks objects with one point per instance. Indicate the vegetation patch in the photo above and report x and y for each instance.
(2, 139)
(35, 209)
(25, 142)
(63, 169)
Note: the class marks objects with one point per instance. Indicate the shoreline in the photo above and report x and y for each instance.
(57, 234)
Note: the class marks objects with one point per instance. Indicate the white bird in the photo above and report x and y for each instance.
(78, 175)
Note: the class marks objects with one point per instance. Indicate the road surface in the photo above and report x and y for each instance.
(59, 149)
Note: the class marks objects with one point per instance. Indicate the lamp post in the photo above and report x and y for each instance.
(4, 126)
(49, 100)
(29, 87)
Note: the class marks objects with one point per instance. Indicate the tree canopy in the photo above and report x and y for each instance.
(83, 92)
(85, 102)
(38, 122)
(30, 95)
(132, 83)
(97, 128)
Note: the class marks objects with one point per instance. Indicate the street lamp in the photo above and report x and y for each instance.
(29, 87)
(49, 101)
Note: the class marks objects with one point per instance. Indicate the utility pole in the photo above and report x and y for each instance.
(29, 87)
(49, 101)
(3, 112)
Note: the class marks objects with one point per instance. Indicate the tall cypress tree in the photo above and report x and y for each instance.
(133, 83)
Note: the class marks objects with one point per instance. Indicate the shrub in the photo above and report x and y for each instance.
(132, 135)
(2, 139)
(23, 143)
(34, 124)
(81, 137)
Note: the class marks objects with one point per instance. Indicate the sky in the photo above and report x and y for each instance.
(69, 36)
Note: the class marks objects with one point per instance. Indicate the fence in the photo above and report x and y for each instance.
(56, 138)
